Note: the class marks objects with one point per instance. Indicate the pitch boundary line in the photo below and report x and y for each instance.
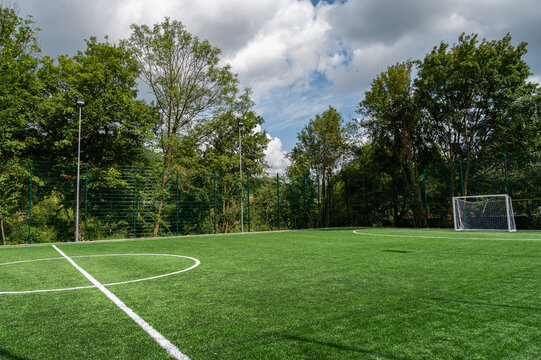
(197, 262)
(159, 338)
(440, 237)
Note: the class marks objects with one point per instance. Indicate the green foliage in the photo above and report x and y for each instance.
(13, 185)
(476, 99)
(19, 86)
(390, 117)
(184, 76)
(320, 147)
(392, 122)
(115, 125)
(192, 90)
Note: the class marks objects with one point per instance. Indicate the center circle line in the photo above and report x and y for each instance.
(197, 262)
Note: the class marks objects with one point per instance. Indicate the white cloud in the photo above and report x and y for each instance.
(276, 157)
(535, 79)
(298, 59)
(285, 49)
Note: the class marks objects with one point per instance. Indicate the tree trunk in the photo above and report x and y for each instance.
(329, 202)
(2, 229)
(394, 201)
(420, 208)
(110, 218)
(421, 216)
(467, 176)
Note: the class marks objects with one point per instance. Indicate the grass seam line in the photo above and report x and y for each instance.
(159, 338)
(444, 237)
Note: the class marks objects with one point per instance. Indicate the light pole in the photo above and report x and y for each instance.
(241, 124)
(80, 103)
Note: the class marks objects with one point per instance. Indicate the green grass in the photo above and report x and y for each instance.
(418, 294)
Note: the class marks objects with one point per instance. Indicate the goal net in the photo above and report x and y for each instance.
(484, 212)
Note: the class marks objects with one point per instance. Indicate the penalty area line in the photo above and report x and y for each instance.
(159, 338)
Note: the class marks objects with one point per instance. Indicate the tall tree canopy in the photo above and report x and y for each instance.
(391, 120)
(189, 85)
(475, 98)
(19, 86)
(321, 145)
(115, 125)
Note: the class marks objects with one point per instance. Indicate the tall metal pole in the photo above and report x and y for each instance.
(241, 192)
(80, 103)
(86, 200)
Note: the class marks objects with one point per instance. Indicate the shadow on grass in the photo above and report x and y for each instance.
(339, 347)
(397, 251)
(5, 354)
(486, 304)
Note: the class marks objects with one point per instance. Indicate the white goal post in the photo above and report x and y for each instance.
(484, 213)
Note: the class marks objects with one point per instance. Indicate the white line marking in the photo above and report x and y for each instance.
(442, 237)
(159, 338)
(197, 262)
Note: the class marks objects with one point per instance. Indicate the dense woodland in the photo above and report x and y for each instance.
(462, 120)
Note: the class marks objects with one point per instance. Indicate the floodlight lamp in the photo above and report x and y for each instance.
(80, 101)
(241, 124)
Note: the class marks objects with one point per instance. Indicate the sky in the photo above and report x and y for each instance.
(298, 56)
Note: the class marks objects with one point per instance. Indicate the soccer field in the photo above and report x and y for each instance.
(329, 294)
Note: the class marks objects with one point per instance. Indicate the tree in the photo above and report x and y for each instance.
(189, 85)
(476, 100)
(391, 121)
(13, 179)
(19, 86)
(321, 145)
(116, 126)
(221, 153)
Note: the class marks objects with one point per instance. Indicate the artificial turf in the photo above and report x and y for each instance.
(380, 294)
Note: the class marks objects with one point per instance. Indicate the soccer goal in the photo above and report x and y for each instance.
(484, 213)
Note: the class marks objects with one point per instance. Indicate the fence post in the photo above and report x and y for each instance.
(134, 198)
(505, 169)
(278, 194)
(86, 200)
(426, 198)
(248, 178)
(214, 172)
(177, 203)
(30, 198)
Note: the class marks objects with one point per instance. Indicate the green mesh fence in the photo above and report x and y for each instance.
(38, 199)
